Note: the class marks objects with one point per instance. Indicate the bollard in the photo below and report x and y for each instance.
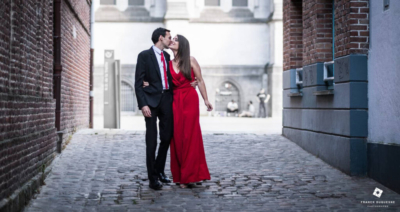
(59, 140)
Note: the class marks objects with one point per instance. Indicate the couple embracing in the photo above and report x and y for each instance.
(165, 89)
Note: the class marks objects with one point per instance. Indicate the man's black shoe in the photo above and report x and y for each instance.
(163, 178)
(155, 185)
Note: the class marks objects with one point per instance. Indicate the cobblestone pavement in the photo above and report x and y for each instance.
(104, 170)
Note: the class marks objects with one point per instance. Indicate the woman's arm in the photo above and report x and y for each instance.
(202, 86)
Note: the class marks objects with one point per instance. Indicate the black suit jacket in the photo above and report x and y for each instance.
(147, 69)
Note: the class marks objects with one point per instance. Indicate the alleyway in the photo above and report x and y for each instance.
(104, 170)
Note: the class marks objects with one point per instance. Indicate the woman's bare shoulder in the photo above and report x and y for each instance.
(193, 61)
(192, 58)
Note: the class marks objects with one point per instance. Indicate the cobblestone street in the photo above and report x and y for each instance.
(104, 170)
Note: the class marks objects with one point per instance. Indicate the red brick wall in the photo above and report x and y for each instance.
(27, 107)
(351, 27)
(317, 31)
(82, 10)
(75, 60)
(27, 132)
(293, 34)
(351, 30)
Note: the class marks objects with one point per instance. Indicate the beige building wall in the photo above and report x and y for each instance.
(232, 44)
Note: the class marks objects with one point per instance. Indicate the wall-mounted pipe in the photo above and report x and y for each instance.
(57, 67)
(333, 30)
(91, 65)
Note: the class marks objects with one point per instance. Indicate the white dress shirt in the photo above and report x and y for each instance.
(232, 106)
(157, 52)
(251, 109)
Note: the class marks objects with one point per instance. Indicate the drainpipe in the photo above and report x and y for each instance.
(333, 36)
(333, 30)
(57, 69)
(91, 64)
(57, 61)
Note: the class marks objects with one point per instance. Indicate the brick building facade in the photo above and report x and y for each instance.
(75, 47)
(308, 30)
(327, 92)
(28, 132)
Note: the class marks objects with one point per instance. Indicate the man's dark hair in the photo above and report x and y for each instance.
(156, 34)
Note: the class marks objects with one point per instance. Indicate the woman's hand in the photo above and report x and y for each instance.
(209, 106)
(194, 83)
(145, 84)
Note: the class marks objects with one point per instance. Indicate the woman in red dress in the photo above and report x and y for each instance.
(188, 160)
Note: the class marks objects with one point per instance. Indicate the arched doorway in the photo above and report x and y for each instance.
(225, 93)
(127, 97)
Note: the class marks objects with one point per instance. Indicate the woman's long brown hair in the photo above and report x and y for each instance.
(183, 56)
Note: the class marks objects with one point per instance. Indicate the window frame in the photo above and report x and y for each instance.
(132, 5)
(241, 6)
(114, 4)
(219, 4)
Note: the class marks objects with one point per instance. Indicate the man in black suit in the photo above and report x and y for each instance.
(155, 101)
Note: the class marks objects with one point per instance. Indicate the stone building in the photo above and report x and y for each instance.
(340, 74)
(237, 43)
(44, 88)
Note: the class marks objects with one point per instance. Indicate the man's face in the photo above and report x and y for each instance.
(166, 41)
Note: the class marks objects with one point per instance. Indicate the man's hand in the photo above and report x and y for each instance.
(194, 83)
(145, 84)
(146, 111)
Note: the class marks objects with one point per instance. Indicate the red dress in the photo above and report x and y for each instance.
(188, 160)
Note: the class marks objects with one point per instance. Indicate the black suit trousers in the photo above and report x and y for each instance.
(163, 112)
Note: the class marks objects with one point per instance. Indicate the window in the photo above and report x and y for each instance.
(239, 3)
(212, 2)
(107, 2)
(298, 91)
(225, 93)
(329, 74)
(136, 3)
(386, 4)
(299, 77)
(127, 97)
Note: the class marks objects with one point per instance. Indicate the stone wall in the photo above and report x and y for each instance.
(247, 79)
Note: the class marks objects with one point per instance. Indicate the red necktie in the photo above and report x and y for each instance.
(165, 71)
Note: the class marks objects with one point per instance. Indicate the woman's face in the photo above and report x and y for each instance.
(174, 44)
